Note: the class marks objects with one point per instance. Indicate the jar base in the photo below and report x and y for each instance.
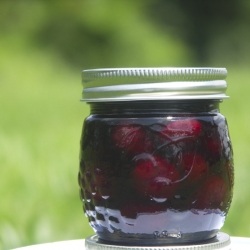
(156, 238)
(219, 241)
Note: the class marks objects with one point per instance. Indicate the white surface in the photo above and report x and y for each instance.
(237, 243)
(62, 245)
(240, 243)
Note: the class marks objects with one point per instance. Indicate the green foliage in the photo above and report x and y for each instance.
(236, 111)
(43, 47)
(41, 118)
(91, 34)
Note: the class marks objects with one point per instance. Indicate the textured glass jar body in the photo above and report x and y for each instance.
(156, 172)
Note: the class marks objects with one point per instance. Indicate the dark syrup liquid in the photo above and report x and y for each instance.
(156, 179)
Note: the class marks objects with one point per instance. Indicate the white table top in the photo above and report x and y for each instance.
(237, 243)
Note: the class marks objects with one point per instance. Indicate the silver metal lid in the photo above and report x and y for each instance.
(137, 84)
(222, 242)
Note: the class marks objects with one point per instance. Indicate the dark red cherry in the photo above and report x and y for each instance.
(155, 177)
(214, 144)
(183, 128)
(211, 194)
(194, 168)
(132, 139)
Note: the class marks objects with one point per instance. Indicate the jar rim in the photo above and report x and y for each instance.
(164, 83)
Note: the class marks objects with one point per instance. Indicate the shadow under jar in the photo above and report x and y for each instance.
(156, 160)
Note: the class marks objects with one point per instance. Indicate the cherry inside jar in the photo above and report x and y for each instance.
(156, 172)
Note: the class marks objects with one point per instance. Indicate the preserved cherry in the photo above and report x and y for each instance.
(187, 127)
(154, 177)
(147, 176)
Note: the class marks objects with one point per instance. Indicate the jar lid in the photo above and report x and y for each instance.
(138, 84)
(221, 241)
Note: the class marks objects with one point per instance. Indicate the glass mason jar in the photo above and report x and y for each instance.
(156, 160)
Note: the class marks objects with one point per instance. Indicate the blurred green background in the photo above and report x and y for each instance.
(44, 46)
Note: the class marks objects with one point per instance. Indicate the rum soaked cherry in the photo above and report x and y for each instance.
(131, 138)
(212, 194)
(194, 168)
(156, 179)
(186, 127)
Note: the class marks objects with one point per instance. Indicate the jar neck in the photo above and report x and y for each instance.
(155, 107)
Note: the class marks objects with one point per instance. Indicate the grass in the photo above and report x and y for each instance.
(41, 119)
(236, 111)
